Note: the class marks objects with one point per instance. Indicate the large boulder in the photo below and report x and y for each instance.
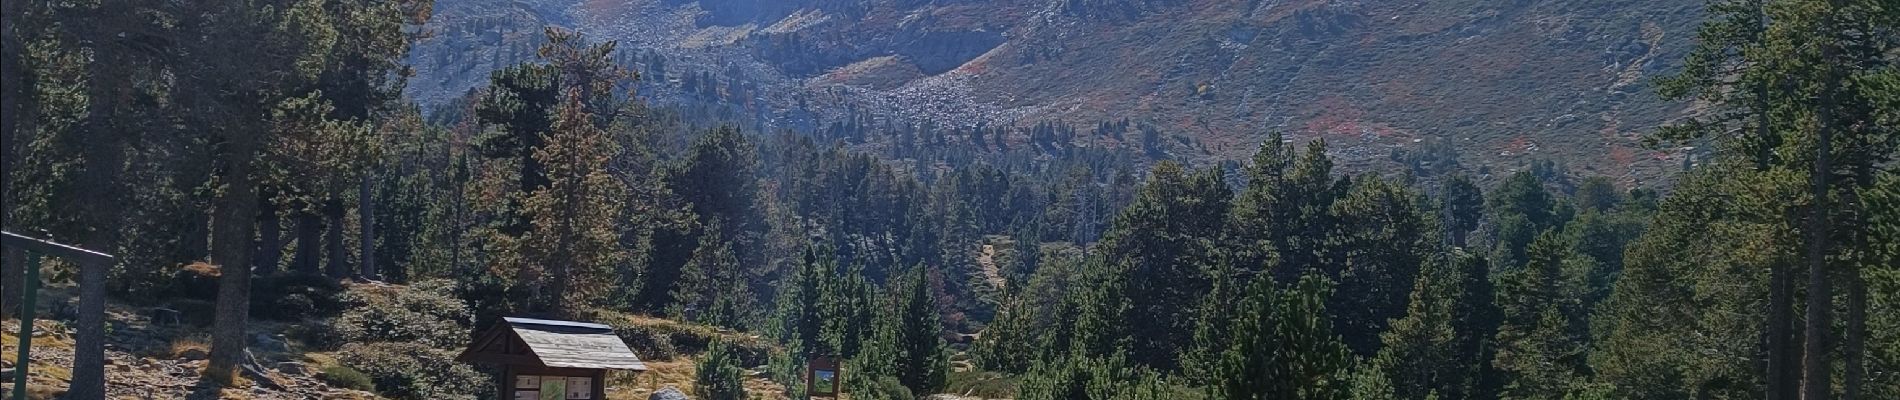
(668, 393)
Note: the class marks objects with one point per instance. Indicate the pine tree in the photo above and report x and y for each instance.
(1380, 242)
(1462, 204)
(1675, 327)
(716, 180)
(1784, 75)
(1284, 348)
(1521, 209)
(1284, 208)
(795, 321)
(922, 357)
(572, 242)
(1540, 361)
(1166, 242)
(1421, 353)
(1541, 352)
(712, 288)
(718, 375)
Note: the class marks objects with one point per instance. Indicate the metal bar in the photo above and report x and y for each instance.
(31, 289)
(78, 255)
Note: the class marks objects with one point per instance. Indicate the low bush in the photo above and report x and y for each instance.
(294, 297)
(718, 376)
(347, 378)
(650, 344)
(196, 281)
(883, 388)
(988, 385)
(317, 335)
(413, 371)
(661, 340)
(195, 312)
(426, 313)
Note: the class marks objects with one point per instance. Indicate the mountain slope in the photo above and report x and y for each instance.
(1503, 82)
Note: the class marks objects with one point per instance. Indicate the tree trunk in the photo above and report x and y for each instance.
(366, 217)
(1856, 335)
(233, 223)
(12, 274)
(1782, 356)
(89, 347)
(1816, 381)
(309, 229)
(13, 99)
(335, 264)
(270, 241)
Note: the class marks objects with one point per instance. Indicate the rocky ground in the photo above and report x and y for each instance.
(146, 361)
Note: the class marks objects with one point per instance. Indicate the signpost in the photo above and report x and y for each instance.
(823, 377)
(89, 350)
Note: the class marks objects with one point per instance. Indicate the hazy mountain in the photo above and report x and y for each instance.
(1501, 82)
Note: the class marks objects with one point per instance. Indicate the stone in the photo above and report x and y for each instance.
(669, 393)
(266, 344)
(194, 354)
(292, 368)
(166, 317)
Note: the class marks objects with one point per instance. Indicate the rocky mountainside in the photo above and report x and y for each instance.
(1501, 82)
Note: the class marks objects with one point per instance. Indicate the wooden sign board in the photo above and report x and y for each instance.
(548, 387)
(823, 377)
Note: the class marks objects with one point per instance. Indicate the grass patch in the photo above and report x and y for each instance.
(188, 344)
(347, 378)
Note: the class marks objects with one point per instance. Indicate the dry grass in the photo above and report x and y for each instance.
(202, 269)
(44, 380)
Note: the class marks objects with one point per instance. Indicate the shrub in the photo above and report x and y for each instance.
(196, 281)
(650, 344)
(413, 371)
(294, 297)
(318, 335)
(348, 378)
(988, 385)
(195, 312)
(662, 340)
(427, 313)
(883, 388)
(718, 376)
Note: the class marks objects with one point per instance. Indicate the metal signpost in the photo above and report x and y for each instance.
(89, 348)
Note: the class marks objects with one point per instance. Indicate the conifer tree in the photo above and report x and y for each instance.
(718, 375)
(716, 181)
(1421, 352)
(1284, 208)
(1462, 204)
(922, 357)
(1165, 241)
(1540, 352)
(1284, 348)
(1380, 242)
(712, 288)
(1521, 210)
(572, 242)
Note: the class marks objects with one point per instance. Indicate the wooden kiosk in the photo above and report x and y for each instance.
(552, 360)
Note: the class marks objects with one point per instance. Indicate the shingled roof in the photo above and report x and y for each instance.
(561, 344)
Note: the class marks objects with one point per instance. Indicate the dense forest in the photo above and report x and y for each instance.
(194, 139)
